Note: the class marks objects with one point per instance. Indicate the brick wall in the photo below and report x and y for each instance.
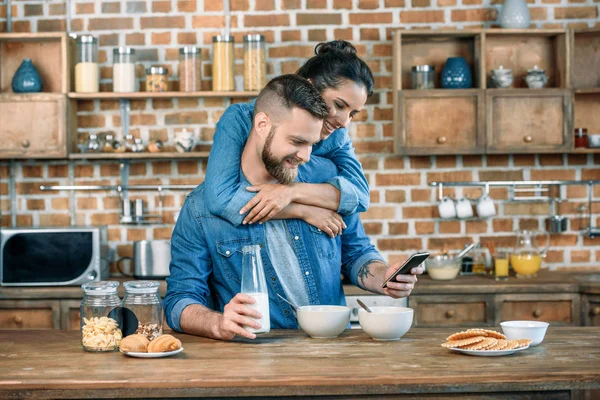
(403, 216)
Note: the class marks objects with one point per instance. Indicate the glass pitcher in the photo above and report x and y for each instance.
(526, 258)
(255, 285)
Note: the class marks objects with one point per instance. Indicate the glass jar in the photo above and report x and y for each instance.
(422, 77)
(101, 316)
(141, 298)
(92, 145)
(255, 64)
(223, 63)
(86, 65)
(110, 145)
(581, 137)
(190, 62)
(157, 79)
(129, 144)
(124, 79)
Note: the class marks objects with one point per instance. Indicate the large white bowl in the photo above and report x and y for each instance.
(386, 323)
(323, 322)
(534, 330)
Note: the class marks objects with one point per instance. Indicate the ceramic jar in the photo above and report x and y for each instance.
(501, 78)
(456, 74)
(27, 78)
(536, 78)
(514, 15)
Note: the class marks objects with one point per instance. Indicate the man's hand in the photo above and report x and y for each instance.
(270, 199)
(326, 220)
(403, 285)
(237, 314)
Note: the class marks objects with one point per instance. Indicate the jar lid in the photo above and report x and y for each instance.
(581, 131)
(189, 50)
(141, 286)
(423, 68)
(156, 70)
(223, 38)
(100, 288)
(87, 39)
(124, 50)
(254, 38)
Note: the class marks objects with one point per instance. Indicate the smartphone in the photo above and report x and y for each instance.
(413, 261)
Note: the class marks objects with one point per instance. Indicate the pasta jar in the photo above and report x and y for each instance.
(141, 298)
(156, 79)
(101, 316)
(223, 63)
(86, 67)
(189, 69)
(124, 79)
(255, 65)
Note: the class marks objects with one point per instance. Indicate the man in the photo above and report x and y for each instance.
(300, 261)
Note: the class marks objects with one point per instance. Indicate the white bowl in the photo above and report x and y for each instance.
(323, 322)
(386, 323)
(534, 330)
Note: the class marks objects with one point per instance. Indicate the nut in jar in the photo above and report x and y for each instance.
(156, 79)
(101, 316)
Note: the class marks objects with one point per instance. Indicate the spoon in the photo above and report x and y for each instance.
(363, 305)
(465, 251)
(295, 307)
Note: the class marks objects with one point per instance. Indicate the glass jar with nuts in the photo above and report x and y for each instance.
(156, 79)
(141, 298)
(101, 317)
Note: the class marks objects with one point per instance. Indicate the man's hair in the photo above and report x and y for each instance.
(286, 92)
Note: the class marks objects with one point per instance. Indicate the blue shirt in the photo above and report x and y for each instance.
(206, 257)
(224, 192)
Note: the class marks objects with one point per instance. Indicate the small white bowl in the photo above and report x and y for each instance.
(323, 322)
(386, 323)
(534, 330)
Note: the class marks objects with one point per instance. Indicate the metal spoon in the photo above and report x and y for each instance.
(363, 305)
(465, 251)
(295, 307)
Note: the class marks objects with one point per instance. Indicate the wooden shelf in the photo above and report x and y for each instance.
(157, 95)
(585, 151)
(588, 91)
(144, 155)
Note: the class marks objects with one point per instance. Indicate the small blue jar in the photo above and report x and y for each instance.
(27, 78)
(456, 74)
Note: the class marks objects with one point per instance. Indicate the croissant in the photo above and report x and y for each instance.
(136, 343)
(164, 343)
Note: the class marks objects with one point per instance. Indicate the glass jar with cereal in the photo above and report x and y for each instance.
(141, 298)
(101, 316)
(255, 65)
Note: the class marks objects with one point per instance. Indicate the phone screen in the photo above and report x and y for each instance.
(413, 261)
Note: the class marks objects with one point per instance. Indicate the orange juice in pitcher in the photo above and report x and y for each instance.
(526, 259)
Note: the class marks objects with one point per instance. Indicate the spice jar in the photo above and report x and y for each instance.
(110, 144)
(422, 77)
(581, 137)
(101, 316)
(141, 297)
(92, 145)
(255, 65)
(86, 67)
(156, 79)
(124, 79)
(223, 63)
(155, 146)
(189, 69)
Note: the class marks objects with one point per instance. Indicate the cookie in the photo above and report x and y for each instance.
(489, 333)
(451, 344)
(466, 334)
(523, 343)
(483, 345)
(501, 345)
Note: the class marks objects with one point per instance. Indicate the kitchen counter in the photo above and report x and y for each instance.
(51, 364)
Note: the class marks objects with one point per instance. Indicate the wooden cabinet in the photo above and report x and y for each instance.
(452, 310)
(555, 308)
(29, 314)
(590, 310)
(69, 314)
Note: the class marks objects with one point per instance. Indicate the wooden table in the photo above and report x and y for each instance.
(51, 364)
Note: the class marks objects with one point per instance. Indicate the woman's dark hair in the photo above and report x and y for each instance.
(335, 62)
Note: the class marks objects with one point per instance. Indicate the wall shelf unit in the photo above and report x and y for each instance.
(159, 95)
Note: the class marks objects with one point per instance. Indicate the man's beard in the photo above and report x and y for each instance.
(275, 166)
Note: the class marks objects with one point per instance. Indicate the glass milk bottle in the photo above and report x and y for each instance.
(124, 79)
(255, 285)
(86, 67)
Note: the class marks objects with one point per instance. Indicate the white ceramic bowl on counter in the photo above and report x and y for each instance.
(323, 322)
(534, 330)
(386, 323)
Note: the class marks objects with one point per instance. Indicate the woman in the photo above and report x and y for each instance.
(345, 82)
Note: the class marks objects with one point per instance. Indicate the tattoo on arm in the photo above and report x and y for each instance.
(365, 272)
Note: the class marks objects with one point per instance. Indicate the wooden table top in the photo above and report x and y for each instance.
(43, 364)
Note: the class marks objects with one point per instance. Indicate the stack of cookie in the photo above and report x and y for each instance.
(483, 339)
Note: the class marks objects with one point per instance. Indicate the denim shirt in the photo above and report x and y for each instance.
(224, 191)
(206, 256)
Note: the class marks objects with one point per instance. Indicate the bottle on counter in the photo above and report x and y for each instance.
(157, 79)
(87, 72)
(101, 316)
(223, 63)
(190, 63)
(124, 79)
(141, 298)
(254, 284)
(255, 64)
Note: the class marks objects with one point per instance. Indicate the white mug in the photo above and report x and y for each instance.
(446, 208)
(486, 207)
(463, 208)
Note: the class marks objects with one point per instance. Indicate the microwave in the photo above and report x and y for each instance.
(53, 256)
